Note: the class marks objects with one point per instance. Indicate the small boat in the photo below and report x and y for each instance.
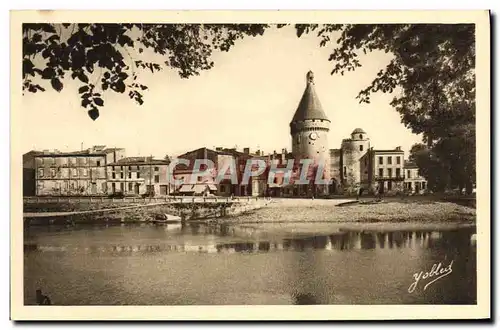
(166, 219)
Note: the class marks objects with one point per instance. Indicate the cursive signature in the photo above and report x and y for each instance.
(437, 271)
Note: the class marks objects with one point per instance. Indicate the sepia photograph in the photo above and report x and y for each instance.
(260, 160)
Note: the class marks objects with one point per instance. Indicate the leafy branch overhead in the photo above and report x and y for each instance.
(106, 57)
(432, 68)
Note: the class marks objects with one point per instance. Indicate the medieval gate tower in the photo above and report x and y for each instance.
(309, 130)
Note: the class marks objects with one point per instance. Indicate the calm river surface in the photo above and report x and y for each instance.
(237, 264)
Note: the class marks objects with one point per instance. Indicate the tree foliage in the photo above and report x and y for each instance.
(431, 72)
(432, 76)
(109, 57)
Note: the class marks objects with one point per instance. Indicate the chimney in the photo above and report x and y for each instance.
(218, 149)
(246, 151)
(398, 148)
(46, 151)
(275, 154)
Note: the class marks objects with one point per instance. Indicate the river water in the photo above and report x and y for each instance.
(244, 264)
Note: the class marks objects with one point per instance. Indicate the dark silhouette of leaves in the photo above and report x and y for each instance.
(56, 84)
(98, 101)
(110, 54)
(83, 89)
(93, 113)
(432, 68)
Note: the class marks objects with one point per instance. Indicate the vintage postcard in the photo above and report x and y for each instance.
(250, 165)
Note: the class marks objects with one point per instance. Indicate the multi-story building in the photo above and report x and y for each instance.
(383, 171)
(414, 183)
(223, 159)
(74, 173)
(139, 175)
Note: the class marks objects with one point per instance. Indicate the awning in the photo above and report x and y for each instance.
(197, 188)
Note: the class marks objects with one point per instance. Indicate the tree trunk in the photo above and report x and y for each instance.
(468, 188)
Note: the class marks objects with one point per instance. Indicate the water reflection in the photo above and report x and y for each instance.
(338, 241)
(202, 264)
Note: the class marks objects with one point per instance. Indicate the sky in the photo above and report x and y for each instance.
(246, 100)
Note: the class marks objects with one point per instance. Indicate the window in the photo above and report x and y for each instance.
(130, 186)
(389, 159)
(84, 160)
(52, 172)
(74, 172)
(157, 168)
(389, 172)
(138, 167)
(381, 160)
(222, 189)
(409, 174)
(113, 187)
(130, 175)
(361, 136)
(122, 186)
(85, 172)
(113, 175)
(98, 163)
(40, 172)
(41, 160)
(398, 172)
(157, 178)
(398, 160)
(345, 170)
(423, 185)
(380, 172)
(360, 147)
(138, 175)
(121, 175)
(113, 168)
(130, 168)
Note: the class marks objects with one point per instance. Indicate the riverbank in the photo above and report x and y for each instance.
(205, 210)
(394, 210)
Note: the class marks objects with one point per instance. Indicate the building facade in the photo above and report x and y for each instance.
(226, 184)
(414, 183)
(387, 170)
(134, 176)
(74, 173)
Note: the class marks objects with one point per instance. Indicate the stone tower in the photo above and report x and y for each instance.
(353, 150)
(309, 127)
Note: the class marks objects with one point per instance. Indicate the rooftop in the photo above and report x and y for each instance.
(358, 131)
(410, 164)
(140, 161)
(309, 106)
(399, 151)
(95, 150)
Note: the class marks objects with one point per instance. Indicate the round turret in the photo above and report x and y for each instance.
(359, 134)
(353, 150)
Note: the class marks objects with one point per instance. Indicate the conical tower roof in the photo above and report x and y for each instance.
(309, 106)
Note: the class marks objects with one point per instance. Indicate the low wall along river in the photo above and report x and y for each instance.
(131, 210)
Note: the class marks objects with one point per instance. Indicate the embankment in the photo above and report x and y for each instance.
(188, 210)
